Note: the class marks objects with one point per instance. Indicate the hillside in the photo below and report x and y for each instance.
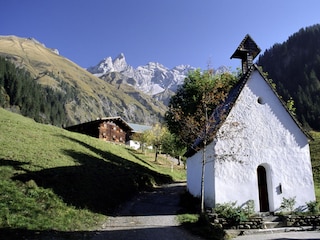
(91, 97)
(51, 178)
(294, 66)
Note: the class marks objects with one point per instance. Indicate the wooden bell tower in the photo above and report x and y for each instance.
(246, 51)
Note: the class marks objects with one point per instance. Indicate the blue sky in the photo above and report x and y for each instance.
(171, 32)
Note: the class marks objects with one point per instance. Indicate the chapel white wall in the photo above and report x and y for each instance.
(194, 170)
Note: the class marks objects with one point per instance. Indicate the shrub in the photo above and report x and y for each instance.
(287, 204)
(248, 208)
(230, 212)
(313, 207)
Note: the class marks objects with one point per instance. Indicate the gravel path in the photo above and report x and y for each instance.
(150, 215)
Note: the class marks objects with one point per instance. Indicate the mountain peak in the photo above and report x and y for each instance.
(119, 63)
(120, 56)
(108, 64)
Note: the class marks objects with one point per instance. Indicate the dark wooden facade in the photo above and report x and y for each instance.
(110, 131)
(113, 129)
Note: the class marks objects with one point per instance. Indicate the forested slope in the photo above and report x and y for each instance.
(22, 94)
(294, 66)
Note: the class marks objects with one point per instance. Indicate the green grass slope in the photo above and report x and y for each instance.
(54, 179)
(315, 158)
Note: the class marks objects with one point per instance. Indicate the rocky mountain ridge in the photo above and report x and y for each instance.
(152, 78)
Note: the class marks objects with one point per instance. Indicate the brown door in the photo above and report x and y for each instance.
(263, 189)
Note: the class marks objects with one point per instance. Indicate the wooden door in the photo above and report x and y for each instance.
(263, 189)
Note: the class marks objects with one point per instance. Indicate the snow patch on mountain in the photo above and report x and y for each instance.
(152, 78)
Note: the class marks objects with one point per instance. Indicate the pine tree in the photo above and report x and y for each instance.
(295, 68)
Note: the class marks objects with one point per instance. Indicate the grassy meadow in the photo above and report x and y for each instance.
(54, 179)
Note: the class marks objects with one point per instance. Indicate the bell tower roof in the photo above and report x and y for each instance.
(246, 51)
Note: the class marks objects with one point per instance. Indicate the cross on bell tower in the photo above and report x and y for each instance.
(246, 51)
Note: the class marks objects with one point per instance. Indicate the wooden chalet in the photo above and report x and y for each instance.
(112, 129)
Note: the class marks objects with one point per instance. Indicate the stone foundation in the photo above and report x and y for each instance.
(252, 223)
(258, 222)
(300, 221)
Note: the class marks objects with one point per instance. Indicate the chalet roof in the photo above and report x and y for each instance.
(117, 120)
(222, 111)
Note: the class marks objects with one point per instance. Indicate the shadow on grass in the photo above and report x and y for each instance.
(97, 184)
(12, 163)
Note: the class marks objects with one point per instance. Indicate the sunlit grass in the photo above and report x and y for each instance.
(188, 218)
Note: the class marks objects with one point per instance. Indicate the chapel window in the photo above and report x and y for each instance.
(260, 100)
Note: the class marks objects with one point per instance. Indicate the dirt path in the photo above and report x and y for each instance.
(150, 215)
